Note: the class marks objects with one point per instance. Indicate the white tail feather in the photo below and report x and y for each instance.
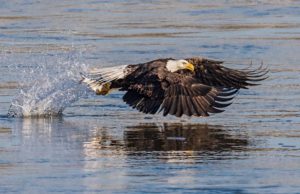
(97, 77)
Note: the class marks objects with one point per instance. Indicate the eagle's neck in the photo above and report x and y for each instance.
(172, 65)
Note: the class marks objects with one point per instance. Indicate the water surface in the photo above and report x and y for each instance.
(101, 145)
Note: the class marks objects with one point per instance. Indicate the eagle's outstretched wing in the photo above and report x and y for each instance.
(177, 95)
(213, 73)
(192, 98)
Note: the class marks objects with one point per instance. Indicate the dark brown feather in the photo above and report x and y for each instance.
(213, 73)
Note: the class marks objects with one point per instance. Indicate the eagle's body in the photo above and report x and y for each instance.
(192, 87)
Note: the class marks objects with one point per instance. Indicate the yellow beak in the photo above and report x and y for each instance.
(190, 67)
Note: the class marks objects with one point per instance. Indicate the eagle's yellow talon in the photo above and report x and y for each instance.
(103, 89)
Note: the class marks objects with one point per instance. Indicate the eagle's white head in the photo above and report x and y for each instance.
(175, 65)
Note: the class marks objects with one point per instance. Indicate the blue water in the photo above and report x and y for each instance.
(95, 144)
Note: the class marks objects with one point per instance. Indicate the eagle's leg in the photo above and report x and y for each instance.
(103, 89)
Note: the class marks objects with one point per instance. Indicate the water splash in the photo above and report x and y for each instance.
(48, 88)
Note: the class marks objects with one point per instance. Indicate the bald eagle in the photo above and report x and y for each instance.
(193, 86)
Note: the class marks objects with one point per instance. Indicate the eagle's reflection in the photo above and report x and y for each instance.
(178, 136)
(133, 138)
